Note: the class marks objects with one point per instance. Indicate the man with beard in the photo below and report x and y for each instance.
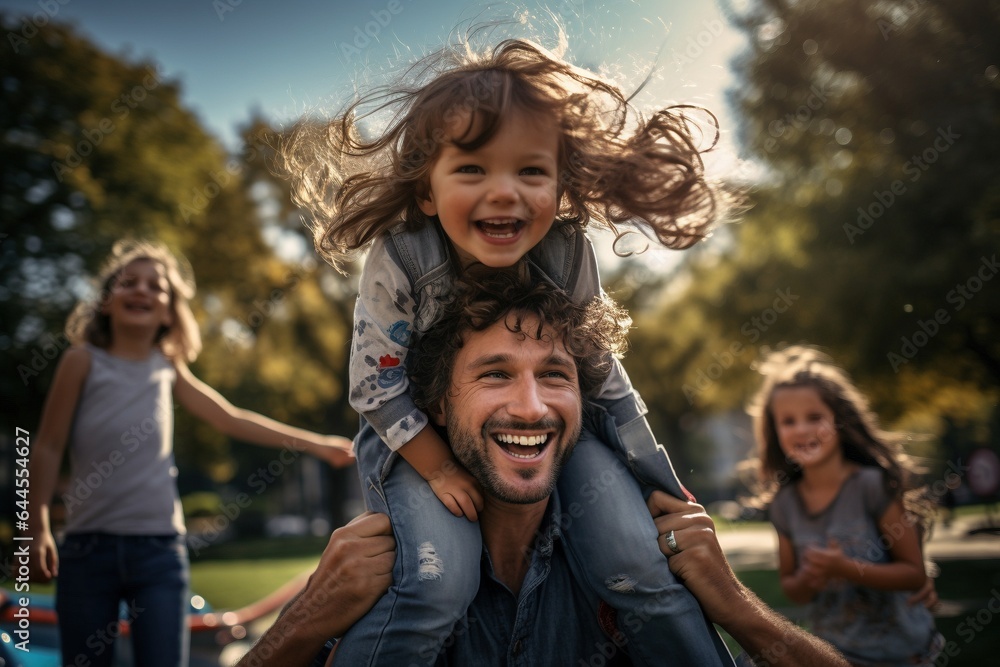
(506, 374)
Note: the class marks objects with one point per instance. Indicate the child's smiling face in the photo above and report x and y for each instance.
(805, 425)
(498, 201)
(140, 296)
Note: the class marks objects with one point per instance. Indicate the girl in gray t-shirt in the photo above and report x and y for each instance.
(849, 541)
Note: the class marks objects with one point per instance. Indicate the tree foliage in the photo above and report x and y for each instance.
(875, 231)
(96, 147)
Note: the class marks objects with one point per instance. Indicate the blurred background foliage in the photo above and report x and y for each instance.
(96, 148)
(877, 125)
(875, 200)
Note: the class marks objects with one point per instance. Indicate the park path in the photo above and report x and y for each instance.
(756, 548)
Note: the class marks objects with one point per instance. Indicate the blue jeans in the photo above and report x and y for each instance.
(148, 573)
(436, 574)
(612, 545)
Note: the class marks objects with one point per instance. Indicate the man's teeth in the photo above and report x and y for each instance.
(514, 442)
(523, 440)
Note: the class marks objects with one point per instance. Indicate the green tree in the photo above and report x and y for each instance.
(96, 147)
(874, 231)
(93, 148)
(879, 122)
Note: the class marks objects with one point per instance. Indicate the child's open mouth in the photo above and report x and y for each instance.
(522, 446)
(807, 447)
(500, 228)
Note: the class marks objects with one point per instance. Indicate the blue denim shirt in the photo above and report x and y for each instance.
(553, 621)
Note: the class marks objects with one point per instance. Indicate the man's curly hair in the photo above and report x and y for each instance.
(593, 333)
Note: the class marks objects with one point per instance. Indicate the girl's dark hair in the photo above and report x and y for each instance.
(88, 323)
(594, 334)
(861, 438)
(615, 166)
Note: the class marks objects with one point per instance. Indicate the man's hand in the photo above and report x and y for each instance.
(353, 572)
(766, 636)
(699, 561)
(459, 491)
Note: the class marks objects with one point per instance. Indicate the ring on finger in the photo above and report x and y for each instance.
(671, 542)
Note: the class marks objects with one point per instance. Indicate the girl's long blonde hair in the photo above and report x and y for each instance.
(615, 166)
(89, 324)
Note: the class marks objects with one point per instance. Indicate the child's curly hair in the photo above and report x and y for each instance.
(88, 323)
(614, 166)
(862, 440)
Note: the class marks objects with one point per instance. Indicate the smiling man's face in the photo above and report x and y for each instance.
(513, 412)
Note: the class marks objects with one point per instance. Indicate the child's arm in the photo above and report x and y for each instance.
(47, 452)
(926, 596)
(798, 583)
(384, 322)
(904, 572)
(431, 457)
(210, 406)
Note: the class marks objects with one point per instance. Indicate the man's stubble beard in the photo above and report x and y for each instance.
(471, 451)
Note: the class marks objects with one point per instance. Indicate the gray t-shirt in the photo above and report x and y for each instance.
(869, 626)
(122, 474)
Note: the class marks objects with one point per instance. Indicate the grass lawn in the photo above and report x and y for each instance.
(233, 584)
(234, 574)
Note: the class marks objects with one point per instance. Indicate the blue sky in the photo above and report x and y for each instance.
(281, 58)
